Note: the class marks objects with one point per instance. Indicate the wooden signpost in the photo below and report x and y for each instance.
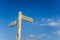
(18, 23)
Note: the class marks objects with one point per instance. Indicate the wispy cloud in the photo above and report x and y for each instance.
(47, 19)
(38, 37)
(49, 22)
(57, 32)
(53, 24)
(6, 38)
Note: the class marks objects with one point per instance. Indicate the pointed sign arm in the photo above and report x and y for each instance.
(23, 18)
(13, 23)
(27, 18)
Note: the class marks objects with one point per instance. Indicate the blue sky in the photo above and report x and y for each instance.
(46, 15)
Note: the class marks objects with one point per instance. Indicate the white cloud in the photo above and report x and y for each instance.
(38, 37)
(58, 20)
(49, 36)
(32, 36)
(2, 38)
(49, 22)
(43, 19)
(47, 19)
(56, 32)
(42, 24)
(53, 24)
(6, 38)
